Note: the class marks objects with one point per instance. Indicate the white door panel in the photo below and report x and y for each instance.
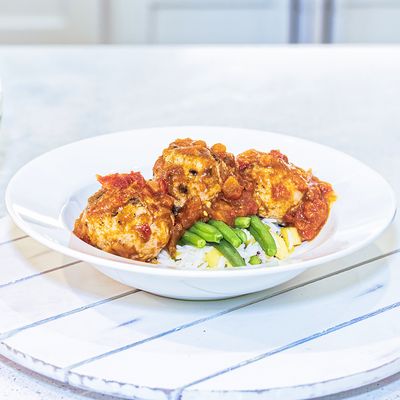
(365, 21)
(245, 23)
(50, 21)
(201, 21)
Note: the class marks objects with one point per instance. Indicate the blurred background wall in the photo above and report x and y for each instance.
(199, 21)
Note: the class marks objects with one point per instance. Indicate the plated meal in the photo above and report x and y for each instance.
(142, 229)
(206, 208)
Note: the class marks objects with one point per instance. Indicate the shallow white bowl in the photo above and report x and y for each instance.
(46, 196)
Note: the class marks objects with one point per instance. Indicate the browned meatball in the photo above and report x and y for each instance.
(189, 170)
(204, 183)
(279, 185)
(286, 192)
(128, 217)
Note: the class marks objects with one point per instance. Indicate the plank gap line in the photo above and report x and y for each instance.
(25, 278)
(13, 332)
(13, 240)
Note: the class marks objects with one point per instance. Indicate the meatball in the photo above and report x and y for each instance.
(278, 184)
(310, 215)
(191, 175)
(189, 170)
(286, 192)
(204, 183)
(128, 217)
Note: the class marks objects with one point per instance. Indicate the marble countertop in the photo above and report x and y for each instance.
(345, 97)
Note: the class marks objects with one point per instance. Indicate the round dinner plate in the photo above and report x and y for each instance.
(46, 196)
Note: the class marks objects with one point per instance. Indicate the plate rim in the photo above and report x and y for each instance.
(137, 266)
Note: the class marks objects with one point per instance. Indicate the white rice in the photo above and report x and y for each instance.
(190, 257)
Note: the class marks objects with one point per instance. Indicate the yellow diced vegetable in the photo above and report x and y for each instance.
(251, 240)
(281, 248)
(291, 237)
(212, 257)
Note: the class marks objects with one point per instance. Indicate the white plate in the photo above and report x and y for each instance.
(46, 196)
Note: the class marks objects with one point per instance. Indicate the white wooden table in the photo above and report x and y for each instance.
(345, 97)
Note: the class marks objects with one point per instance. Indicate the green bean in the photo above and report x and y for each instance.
(242, 222)
(193, 239)
(182, 242)
(261, 233)
(206, 228)
(254, 260)
(230, 253)
(214, 237)
(227, 232)
(242, 236)
(256, 222)
(255, 234)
